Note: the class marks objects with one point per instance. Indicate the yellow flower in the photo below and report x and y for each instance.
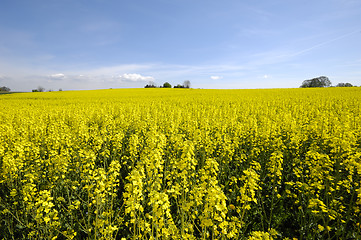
(320, 227)
(46, 219)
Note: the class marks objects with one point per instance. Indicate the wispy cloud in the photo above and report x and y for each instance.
(324, 43)
(288, 53)
(18, 38)
(57, 76)
(119, 69)
(102, 32)
(2, 78)
(134, 77)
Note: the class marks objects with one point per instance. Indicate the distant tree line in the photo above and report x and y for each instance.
(150, 85)
(344, 85)
(186, 84)
(5, 89)
(41, 89)
(322, 82)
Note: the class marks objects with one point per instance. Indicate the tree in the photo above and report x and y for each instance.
(40, 89)
(4, 89)
(178, 86)
(151, 84)
(167, 85)
(316, 82)
(344, 85)
(187, 84)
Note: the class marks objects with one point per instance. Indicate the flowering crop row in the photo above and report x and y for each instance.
(181, 164)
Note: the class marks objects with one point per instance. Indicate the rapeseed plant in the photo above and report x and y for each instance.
(175, 164)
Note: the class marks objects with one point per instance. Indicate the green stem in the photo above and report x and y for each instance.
(271, 211)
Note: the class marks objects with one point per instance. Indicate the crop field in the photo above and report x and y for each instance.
(181, 164)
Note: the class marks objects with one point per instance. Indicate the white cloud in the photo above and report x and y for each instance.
(57, 76)
(134, 77)
(216, 77)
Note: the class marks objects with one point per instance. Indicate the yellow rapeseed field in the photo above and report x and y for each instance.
(181, 164)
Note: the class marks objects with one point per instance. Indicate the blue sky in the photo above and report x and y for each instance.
(94, 44)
